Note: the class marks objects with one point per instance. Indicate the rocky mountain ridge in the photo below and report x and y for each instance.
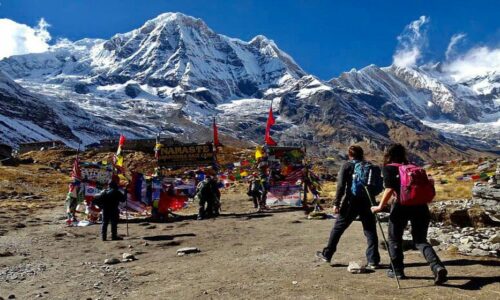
(173, 74)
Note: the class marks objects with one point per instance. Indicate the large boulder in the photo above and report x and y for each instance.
(474, 216)
(485, 191)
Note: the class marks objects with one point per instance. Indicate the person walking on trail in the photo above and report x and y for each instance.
(108, 201)
(348, 206)
(256, 191)
(401, 213)
(208, 195)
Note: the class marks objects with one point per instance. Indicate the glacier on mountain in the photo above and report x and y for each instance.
(174, 73)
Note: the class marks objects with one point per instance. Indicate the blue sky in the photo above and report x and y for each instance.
(324, 37)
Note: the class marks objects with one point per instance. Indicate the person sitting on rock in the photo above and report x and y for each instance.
(108, 201)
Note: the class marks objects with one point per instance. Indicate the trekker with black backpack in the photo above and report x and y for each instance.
(355, 178)
(413, 190)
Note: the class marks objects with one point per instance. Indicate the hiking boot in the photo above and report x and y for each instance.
(117, 238)
(440, 275)
(399, 274)
(372, 266)
(320, 255)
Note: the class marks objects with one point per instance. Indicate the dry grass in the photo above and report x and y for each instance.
(34, 179)
(446, 183)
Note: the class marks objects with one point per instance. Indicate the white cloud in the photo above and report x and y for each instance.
(477, 61)
(453, 42)
(410, 43)
(22, 39)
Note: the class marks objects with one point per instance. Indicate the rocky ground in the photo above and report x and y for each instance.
(470, 227)
(242, 254)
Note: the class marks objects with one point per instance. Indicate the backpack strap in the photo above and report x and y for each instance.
(395, 165)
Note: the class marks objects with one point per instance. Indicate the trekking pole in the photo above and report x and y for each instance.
(126, 214)
(383, 236)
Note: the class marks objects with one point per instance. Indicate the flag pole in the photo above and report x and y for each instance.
(214, 137)
(121, 141)
(271, 109)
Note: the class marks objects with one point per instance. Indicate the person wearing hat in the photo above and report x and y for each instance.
(108, 201)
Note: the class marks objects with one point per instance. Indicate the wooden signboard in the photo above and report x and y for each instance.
(186, 156)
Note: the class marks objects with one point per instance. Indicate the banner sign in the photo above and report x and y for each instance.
(101, 175)
(186, 155)
(285, 194)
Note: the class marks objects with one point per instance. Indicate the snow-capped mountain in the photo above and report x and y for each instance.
(462, 108)
(174, 73)
(24, 116)
(168, 55)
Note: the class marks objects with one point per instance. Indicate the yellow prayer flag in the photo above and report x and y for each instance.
(122, 177)
(258, 153)
(119, 160)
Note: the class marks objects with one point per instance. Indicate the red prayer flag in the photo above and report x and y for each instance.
(216, 134)
(76, 172)
(270, 122)
(122, 140)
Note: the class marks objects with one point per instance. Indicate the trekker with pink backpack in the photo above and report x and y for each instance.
(413, 190)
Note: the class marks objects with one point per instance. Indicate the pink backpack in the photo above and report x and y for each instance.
(416, 187)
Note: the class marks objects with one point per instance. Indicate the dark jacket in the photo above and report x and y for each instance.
(344, 196)
(208, 190)
(344, 182)
(255, 188)
(109, 200)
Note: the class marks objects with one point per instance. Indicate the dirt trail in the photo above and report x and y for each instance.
(243, 255)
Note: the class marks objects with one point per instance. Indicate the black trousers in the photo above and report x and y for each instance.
(258, 200)
(110, 216)
(346, 217)
(419, 218)
(207, 205)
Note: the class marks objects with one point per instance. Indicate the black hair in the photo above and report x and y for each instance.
(113, 185)
(396, 153)
(356, 152)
